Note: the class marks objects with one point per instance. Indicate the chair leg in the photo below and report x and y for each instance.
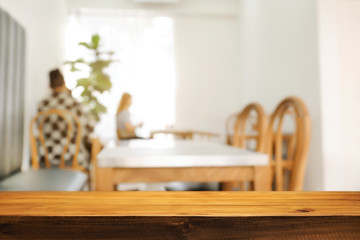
(251, 186)
(226, 186)
(241, 186)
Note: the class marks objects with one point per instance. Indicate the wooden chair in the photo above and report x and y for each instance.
(67, 117)
(96, 147)
(294, 160)
(229, 127)
(73, 178)
(241, 136)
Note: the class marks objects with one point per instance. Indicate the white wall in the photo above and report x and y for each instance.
(208, 85)
(338, 24)
(184, 6)
(44, 22)
(330, 82)
(349, 45)
(279, 58)
(206, 42)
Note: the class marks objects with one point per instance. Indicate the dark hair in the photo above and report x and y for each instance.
(56, 79)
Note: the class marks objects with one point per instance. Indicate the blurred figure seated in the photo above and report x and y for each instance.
(55, 128)
(125, 129)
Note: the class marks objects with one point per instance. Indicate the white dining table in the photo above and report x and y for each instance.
(179, 160)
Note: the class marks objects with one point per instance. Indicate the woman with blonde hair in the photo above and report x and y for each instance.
(125, 130)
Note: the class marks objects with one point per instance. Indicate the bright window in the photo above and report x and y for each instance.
(143, 43)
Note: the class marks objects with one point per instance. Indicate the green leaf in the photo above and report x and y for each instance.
(99, 65)
(80, 60)
(87, 95)
(99, 108)
(103, 83)
(95, 114)
(85, 45)
(95, 41)
(73, 64)
(74, 69)
(85, 82)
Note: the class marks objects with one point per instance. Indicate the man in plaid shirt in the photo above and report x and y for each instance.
(55, 128)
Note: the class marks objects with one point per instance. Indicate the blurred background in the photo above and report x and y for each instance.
(191, 63)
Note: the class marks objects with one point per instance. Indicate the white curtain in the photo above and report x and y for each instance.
(143, 44)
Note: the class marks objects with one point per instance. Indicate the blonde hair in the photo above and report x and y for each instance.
(125, 98)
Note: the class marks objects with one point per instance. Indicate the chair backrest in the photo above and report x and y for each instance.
(229, 127)
(258, 127)
(39, 120)
(296, 154)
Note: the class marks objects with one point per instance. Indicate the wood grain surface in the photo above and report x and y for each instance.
(180, 215)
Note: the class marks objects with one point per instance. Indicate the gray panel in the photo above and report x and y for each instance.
(21, 112)
(9, 96)
(4, 19)
(45, 180)
(15, 143)
(12, 67)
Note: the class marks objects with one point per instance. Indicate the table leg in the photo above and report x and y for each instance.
(104, 179)
(262, 178)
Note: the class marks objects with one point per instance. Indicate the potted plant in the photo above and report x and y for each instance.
(97, 81)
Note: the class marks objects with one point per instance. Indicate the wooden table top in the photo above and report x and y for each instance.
(179, 153)
(210, 204)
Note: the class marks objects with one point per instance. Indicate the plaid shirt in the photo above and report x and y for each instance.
(55, 130)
